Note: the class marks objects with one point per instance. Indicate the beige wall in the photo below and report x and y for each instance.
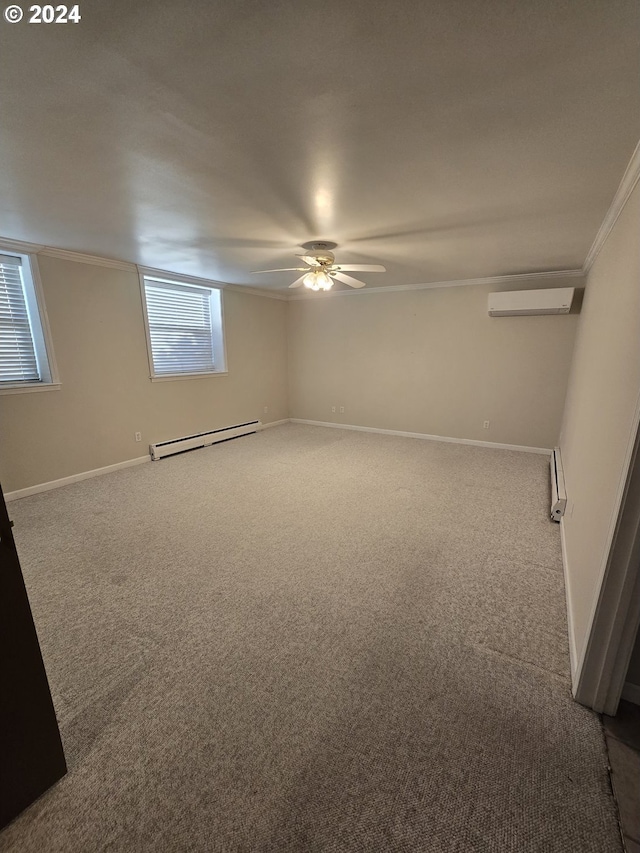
(96, 320)
(633, 675)
(431, 361)
(601, 401)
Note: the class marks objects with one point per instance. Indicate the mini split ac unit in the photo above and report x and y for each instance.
(522, 302)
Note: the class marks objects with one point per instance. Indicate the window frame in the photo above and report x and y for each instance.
(218, 336)
(40, 328)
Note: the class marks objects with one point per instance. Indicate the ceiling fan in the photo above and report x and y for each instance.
(321, 268)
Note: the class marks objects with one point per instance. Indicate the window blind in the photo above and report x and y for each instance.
(179, 327)
(18, 361)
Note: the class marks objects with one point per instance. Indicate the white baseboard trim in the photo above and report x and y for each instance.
(631, 692)
(96, 472)
(74, 478)
(493, 444)
(85, 475)
(573, 652)
(274, 423)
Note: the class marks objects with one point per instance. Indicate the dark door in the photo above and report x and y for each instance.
(31, 756)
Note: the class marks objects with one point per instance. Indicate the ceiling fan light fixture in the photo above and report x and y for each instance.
(321, 269)
(318, 280)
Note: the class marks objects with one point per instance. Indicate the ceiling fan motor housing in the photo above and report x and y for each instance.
(321, 252)
(325, 259)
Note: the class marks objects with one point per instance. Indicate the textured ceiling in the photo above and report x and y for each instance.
(444, 139)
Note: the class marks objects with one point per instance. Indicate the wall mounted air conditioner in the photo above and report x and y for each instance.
(516, 303)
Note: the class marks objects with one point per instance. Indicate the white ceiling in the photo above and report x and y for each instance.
(446, 139)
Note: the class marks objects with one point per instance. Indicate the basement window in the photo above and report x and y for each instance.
(26, 353)
(184, 328)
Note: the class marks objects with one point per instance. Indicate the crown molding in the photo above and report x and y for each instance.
(64, 254)
(25, 248)
(80, 258)
(627, 186)
(466, 282)
(20, 246)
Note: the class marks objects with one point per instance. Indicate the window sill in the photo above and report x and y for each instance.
(170, 377)
(27, 387)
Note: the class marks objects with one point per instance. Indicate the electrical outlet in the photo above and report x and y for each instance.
(333, 409)
(138, 436)
(266, 410)
(342, 410)
(485, 425)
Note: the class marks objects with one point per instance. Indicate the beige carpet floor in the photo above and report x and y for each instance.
(311, 639)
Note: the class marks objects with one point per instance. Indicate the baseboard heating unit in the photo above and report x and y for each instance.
(202, 439)
(558, 493)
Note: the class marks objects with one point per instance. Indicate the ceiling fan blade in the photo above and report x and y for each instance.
(309, 259)
(347, 279)
(285, 269)
(361, 267)
(297, 282)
